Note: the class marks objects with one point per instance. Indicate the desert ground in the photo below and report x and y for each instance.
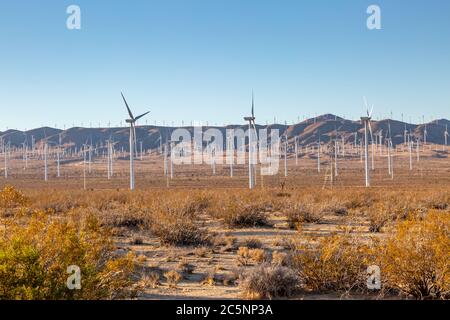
(199, 235)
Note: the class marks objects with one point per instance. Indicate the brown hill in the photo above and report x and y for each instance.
(308, 132)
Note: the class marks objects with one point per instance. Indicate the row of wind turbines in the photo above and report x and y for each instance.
(336, 149)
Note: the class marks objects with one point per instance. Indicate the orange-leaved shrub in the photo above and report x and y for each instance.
(338, 263)
(416, 258)
(35, 254)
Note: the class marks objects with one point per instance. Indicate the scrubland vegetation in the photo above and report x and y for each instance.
(311, 242)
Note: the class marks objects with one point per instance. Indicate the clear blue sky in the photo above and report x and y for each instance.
(199, 60)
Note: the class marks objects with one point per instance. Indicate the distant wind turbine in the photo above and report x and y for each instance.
(445, 135)
(367, 126)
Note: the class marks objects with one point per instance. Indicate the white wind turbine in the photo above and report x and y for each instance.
(367, 127)
(230, 151)
(425, 136)
(410, 152)
(389, 146)
(25, 152)
(5, 158)
(251, 125)
(405, 134)
(166, 168)
(85, 146)
(418, 149)
(132, 121)
(381, 142)
(58, 156)
(318, 155)
(285, 150)
(335, 153)
(445, 135)
(110, 158)
(213, 162)
(360, 150)
(160, 142)
(90, 157)
(45, 161)
(171, 158)
(372, 153)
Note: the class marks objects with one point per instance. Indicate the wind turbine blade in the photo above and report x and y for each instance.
(254, 128)
(253, 105)
(370, 130)
(365, 103)
(128, 108)
(370, 113)
(142, 115)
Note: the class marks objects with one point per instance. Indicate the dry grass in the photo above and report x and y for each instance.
(242, 210)
(330, 251)
(267, 282)
(336, 264)
(36, 251)
(172, 277)
(416, 258)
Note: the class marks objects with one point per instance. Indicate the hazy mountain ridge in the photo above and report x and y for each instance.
(308, 132)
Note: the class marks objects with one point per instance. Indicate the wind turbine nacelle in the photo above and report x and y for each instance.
(249, 118)
(365, 118)
(129, 121)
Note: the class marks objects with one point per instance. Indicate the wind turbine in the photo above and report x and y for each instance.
(445, 135)
(90, 156)
(418, 149)
(381, 141)
(285, 155)
(58, 171)
(45, 161)
(84, 164)
(425, 136)
(213, 162)
(171, 158)
(367, 126)
(251, 123)
(132, 121)
(160, 142)
(410, 153)
(230, 150)
(318, 155)
(389, 146)
(166, 169)
(25, 152)
(110, 159)
(335, 153)
(405, 133)
(6, 159)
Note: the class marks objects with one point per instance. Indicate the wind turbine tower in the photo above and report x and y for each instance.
(45, 161)
(445, 135)
(251, 125)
